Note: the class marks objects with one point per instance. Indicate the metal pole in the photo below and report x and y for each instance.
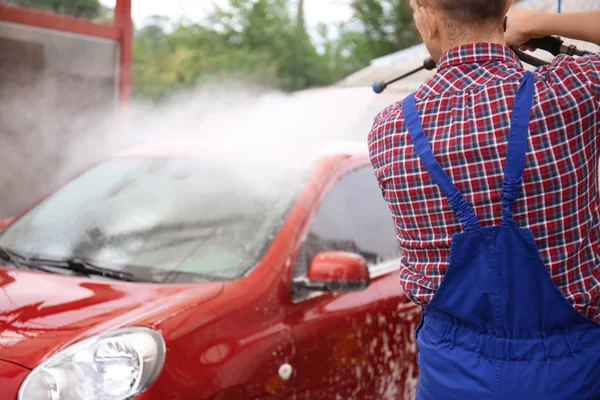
(559, 6)
(125, 25)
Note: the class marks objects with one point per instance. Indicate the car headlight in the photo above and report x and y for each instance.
(114, 366)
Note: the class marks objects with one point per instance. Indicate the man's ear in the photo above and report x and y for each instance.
(431, 22)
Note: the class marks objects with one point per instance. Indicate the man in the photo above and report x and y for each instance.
(500, 238)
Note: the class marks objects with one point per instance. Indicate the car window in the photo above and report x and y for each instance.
(352, 217)
(174, 220)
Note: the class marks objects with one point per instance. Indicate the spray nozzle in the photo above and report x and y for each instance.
(428, 64)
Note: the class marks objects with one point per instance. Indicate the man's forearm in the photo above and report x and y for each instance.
(579, 26)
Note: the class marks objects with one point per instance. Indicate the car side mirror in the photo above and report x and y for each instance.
(5, 223)
(336, 271)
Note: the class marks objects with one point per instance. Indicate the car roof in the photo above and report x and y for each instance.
(335, 152)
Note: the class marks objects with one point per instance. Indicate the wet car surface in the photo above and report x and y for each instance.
(165, 277)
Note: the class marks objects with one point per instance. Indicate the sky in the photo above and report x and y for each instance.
(316, 11)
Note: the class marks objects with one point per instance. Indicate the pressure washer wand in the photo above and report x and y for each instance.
(554, 45)
(551, 44)
(428, 64)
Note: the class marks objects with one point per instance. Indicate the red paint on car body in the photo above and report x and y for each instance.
(227, 340)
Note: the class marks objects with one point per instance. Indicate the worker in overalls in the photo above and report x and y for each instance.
(491, 175)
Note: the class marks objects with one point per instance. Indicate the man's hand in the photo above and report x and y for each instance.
(518, 26)
(524, 24)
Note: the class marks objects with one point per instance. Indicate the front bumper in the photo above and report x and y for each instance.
(11, 377)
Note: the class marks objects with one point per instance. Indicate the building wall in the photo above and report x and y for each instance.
(53, 85)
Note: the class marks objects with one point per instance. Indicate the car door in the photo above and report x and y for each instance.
(354, 345)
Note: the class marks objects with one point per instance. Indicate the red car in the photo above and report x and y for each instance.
(164, 276)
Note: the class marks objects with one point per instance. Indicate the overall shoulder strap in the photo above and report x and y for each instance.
(463, 210)
(517, 147)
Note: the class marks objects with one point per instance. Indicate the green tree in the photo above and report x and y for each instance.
(263, 42)
(387, 25)
(378, 28)
(89, 9)
(268, 27)
(165, 62)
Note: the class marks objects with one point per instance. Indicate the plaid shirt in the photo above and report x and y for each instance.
(465, 109)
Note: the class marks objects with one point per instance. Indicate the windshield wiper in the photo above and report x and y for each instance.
(87, 268)
(13, 257)
(78, 265)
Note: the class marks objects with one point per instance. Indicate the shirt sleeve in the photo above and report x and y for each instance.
(589, 66)
(376, 139)
(584, 70)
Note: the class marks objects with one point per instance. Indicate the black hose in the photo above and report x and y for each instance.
(531, 60)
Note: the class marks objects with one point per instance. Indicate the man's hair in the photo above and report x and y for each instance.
(472, 10)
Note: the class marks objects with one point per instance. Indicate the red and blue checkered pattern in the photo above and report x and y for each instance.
(465, 109)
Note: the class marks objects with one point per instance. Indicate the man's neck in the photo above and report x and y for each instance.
(451, 43)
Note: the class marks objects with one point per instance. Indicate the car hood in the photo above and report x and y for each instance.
(41, 313)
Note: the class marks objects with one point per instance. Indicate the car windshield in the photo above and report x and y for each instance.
(162, 219)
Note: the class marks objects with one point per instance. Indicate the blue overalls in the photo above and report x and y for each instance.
(498, 327)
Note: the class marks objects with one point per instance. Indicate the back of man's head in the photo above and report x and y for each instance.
(444, 23)
(469, 11)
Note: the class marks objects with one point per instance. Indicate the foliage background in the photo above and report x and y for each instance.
(260, 41)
